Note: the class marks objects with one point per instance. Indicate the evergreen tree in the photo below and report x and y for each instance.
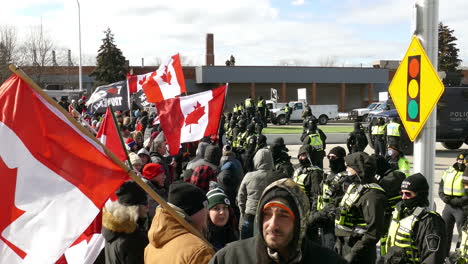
(110, 62)
(448, 60)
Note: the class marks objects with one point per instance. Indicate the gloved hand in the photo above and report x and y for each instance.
(456, 202)
(445, 198)
(395, 255)
(349, 257)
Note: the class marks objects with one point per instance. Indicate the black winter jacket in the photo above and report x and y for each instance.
(253, 251)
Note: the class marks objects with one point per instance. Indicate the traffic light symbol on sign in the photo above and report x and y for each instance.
(413, 89)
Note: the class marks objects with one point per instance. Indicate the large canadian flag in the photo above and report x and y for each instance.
(165, 83)
(190, 118)
(54, 179)
(87, 247)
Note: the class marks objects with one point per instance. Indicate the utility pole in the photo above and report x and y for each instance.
(427, 19)
(80, 72)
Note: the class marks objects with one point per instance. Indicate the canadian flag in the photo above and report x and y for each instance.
(54, 178)
(87, 247)
(190, 118)
(165, 83)
(109, 136)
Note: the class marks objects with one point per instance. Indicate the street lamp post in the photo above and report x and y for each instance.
(80, 73)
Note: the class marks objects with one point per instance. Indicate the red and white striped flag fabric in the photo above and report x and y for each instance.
(190, 118)
(108, 134)
(54, 178)
(165, 83)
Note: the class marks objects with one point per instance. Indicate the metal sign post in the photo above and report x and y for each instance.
(427, 19)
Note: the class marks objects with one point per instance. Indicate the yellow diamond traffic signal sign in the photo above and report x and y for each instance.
(415, 89)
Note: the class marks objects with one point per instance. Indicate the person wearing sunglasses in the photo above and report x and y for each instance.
(452, 192)
(416, 234)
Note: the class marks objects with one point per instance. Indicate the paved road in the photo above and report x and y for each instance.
(295, 139)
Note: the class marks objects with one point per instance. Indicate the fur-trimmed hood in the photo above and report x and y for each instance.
(118, 219)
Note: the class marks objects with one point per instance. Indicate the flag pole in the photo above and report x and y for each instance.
(224, 103)
(110, 154)
(120, 136)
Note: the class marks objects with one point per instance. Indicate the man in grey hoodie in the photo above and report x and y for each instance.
(251, 189)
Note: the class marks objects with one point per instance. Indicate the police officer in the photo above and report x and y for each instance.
(262, 108)
(249, 144)
(323, 215)
(393, 132)
(416, 235)
(237, 134)
(306, 114)
(229, 132)
(360, 224)
(287, 111)
(309, 176)
(390, 180)
(249, 106)
(452, 192)
(378, 137)
(317, 139)
(357, 140)
(461, 255)
(281, 157)
(397, 160)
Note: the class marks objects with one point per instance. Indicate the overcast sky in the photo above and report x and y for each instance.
(257, 32)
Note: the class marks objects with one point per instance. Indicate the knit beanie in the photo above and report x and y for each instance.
(134, 159)
(130, 193)
(416, 183)
(143, 151)
(130, 142)
(187, 197)
(217, 196)
(151, 170)
(340, 152)
(279, 193)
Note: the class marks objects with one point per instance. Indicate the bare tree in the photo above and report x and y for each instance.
(8, 50)
(329, 61)
(156, 61)
(186, 61)
(37, 50)
(294, 62)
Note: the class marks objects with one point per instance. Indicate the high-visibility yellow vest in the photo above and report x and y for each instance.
(400, 233)
(453, 184)
(238, 140)
(404, 166)
(247, 140)
(300, 175)
(393, 129)
(286, 109)
(464, 246)
(248, 103)
(260, 103)
(347, 220)
(316, 142)
(378, 130)
(325, 198)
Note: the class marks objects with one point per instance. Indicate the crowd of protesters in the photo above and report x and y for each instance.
(252, 205)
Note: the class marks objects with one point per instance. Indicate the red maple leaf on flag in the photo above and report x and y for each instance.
(195, 115)
(142, 81)
(9, 211)
(166, 76)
